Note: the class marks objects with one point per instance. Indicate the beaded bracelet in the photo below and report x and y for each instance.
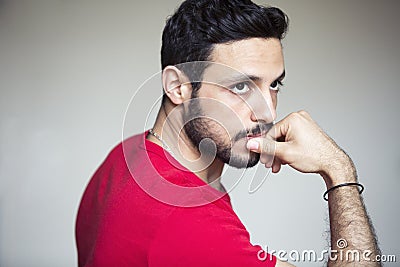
(340, 185)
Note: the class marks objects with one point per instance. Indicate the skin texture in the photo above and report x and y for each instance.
(237, 108)
(255, 57)
(306, 148)
(296, 140)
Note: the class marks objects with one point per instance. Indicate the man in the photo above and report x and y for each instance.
(157, 199)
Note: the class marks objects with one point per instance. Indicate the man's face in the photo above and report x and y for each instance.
(238, 102)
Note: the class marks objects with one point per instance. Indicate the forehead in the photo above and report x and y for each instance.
(256, 56)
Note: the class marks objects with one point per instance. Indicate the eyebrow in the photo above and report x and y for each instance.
(244, 77)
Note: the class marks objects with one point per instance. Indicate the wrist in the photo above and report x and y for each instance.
(340, 170)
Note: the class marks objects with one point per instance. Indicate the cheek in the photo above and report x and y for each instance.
(221, 104)
(229, 110)
(223, 117)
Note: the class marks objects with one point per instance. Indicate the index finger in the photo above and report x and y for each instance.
(278, 130)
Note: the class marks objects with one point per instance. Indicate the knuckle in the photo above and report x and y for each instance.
(300, 115)
(303, 112)
(268, 147)
(294, 116)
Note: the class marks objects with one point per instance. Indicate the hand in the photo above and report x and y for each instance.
(299, 142)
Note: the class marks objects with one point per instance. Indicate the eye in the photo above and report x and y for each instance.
(240, 88)
(275, 85)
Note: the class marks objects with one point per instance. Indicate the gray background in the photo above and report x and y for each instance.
(69, 68)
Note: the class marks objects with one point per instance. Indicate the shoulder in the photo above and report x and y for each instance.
(204, 236)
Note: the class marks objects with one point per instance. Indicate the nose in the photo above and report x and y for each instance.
(262, 106)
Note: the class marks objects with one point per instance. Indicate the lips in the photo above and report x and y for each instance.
(258, 131)
(250, 136)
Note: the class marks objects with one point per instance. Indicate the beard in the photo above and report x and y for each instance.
(230, 148)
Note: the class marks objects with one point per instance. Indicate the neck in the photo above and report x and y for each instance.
(169, 128)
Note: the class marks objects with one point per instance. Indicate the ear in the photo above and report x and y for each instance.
(176, 85)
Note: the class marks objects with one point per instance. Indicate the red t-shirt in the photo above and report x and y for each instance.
(137, 211)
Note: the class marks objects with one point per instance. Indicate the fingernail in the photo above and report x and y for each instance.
(252, 145)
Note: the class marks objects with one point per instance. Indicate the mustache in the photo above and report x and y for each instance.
(260, 129)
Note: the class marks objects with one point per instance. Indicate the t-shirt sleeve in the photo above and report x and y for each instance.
(209, 237)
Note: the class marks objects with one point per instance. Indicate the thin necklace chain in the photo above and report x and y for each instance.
(156, 135)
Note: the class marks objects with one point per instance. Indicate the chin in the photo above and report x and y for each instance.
(238, 157)
(244, 162)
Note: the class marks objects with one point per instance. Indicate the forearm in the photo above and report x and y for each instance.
(304, 146)
(352, 233)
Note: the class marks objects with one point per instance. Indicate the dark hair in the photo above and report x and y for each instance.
(191, 32)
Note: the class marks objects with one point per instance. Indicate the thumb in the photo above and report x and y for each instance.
(269, 147)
